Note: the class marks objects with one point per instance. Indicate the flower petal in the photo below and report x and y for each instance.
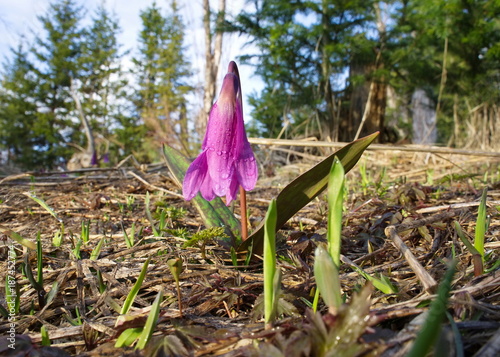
(206, 189)
(233, 190)
(195, 176)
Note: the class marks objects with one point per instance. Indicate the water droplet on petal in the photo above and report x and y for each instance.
(224, 176)
(219, 153)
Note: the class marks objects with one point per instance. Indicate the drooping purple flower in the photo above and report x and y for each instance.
(226, 161)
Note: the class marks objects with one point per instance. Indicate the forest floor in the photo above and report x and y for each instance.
(425, 193)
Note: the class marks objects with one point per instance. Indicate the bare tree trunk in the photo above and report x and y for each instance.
(213, 52)
(331, 118)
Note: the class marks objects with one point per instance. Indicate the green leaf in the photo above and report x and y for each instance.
(150, 325)
(270, 295)
(45, 336)
(128, 337)
(307, 186)
(52, 293)
(327, 278)
(335, 200)
(213, 213)
(97, 249)
(43, 204)
(135, 289)
(431, 328)
(481, 225)
(17, 237)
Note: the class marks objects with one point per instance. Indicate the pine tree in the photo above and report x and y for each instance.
(18, 112)
(163, 71)
(58, 54)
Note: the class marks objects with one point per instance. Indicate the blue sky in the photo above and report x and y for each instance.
(19, 17)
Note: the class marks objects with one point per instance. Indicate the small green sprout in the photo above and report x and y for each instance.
(272, 276)
(175, 266)
(45, 336)
(85, 231)
(481, 225)
(135, 289)
(204, 236)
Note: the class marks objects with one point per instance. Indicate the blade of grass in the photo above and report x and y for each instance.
(17, 237)
(270, 263)
(335, 203)
(481, 225)
(476, 256)
(135, 289)
(29, 275)
(149, 327)
(43, 204)
(97, 250)
(431, 328)
(45, 336)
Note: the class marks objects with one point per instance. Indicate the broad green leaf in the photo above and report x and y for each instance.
(150, 325)
(307, 186)
(327, 278)
(213, 213)
(431, 328)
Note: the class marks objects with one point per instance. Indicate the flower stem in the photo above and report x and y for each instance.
(243, 211)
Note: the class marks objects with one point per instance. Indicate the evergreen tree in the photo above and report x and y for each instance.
(102, 88)
(304, 49)
(58, 55)
(162, 71)
(18, 112)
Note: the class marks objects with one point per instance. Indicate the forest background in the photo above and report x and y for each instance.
(326, 67)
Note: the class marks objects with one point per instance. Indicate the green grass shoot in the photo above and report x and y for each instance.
(135, 289)
(481, 225)
(327, 279)
(150, 325)
(175, 266)
(18, 238)
(129, 238)
(335, 202)
(97, 250)
(45, 336)
(44, 205)
(431, 328)
(270, 293)
(85, 231)
(477, 260)
(58, 236)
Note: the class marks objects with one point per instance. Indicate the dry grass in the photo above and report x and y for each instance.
(413, 199)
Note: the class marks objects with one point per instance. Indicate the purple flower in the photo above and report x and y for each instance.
(227, 160)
